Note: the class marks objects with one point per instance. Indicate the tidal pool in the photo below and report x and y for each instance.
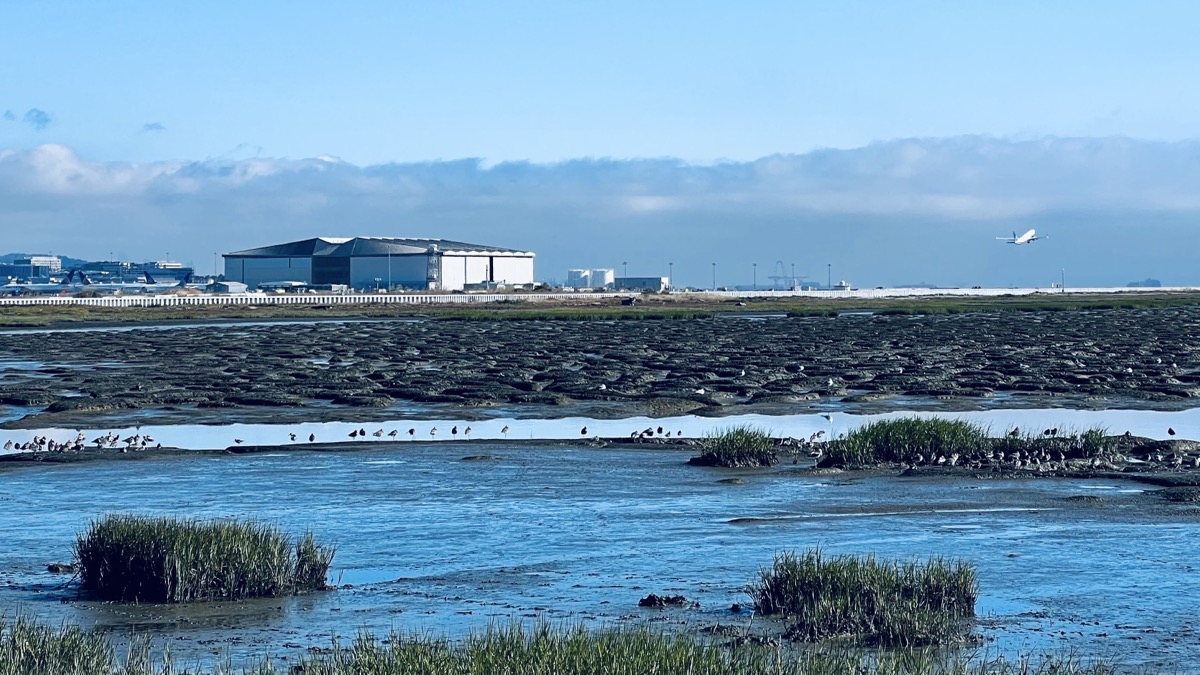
(429, 542)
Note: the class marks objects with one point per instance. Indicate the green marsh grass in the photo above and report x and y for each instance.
(916, 440)
(867, 600)
(27, 646)
(902, 440)
(143, 559)
(742, 446)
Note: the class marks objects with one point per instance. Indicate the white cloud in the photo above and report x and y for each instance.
(958, 187)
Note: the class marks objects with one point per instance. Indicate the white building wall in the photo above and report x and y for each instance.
(406, 270)
(513, 270)
(454, 273)
(254, 271)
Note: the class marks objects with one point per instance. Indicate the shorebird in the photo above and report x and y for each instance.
(312, 437)
(454, 431)
(378, 434)
(411, 433)
(660, 430)
(362, 432)
(583, 431)
(505, 431)
(1170, 431)
(292, 436)
(238, 441)
(392, 434)
(354, 434)
(467, 433)
(433, 432)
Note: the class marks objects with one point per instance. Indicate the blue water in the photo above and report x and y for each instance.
(431, 542)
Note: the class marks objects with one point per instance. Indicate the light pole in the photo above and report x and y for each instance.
(625, 269)
(755, 265)
(215, 264)
(829, 276)
(714, 276)
(671, 275)
(793, 277)
(1063, 280)
(389, 267)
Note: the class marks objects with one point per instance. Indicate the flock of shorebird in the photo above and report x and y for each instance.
(110, 440)
(649, 432)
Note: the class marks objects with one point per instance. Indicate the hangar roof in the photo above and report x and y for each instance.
(372, 246)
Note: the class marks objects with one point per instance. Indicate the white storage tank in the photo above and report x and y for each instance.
(603, 278)
(579, 279)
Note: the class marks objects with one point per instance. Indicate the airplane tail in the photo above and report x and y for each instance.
(83, 279)
(187, 279)
(149, 279)
(69, 278)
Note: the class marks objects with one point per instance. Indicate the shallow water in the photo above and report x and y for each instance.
(431, 542)
(1149, 423)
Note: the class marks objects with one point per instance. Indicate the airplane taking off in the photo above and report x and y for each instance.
(1028, 237)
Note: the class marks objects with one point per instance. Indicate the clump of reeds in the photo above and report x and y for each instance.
(905, 440)
(742, 446)
(868, 600)
(29, 647)
(145, 559)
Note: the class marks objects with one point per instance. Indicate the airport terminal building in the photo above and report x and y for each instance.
(381, 262)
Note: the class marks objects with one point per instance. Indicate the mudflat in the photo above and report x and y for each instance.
(1132, 357)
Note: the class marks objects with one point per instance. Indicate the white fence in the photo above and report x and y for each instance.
(151, 300)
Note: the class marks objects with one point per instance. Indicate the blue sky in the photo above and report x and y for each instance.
(251, 87)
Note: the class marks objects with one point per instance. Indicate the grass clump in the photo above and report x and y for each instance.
(872, 602)
(742, 446)
(142, 559)
(907, 440)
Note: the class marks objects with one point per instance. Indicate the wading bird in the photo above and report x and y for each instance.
(467, 433)
(411, 433)
(433, 432)
(505, 431)
(392, 434)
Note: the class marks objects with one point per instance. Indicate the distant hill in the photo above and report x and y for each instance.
(67, 263)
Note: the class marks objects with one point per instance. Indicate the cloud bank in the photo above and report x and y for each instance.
(893, 212)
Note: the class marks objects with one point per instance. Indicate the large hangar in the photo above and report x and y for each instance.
(381, 262)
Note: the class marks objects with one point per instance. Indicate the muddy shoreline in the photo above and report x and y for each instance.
(791, 463)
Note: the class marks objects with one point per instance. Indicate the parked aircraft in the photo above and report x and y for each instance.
(68, 283)
(1028, 237)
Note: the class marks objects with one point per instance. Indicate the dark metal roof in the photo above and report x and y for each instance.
(370, 246)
